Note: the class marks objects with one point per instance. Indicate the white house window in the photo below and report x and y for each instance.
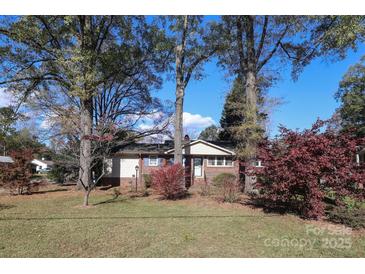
(258, 164)
(211, 161)
(357, 159)
(220, 161)
(108, 166)
(152, 160)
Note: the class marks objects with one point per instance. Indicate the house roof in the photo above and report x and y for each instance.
(6, 159)
(223, 146)
(133, 148)
(47, 162)
(167, 146)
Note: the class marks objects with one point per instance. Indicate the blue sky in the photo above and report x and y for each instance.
(305, 100)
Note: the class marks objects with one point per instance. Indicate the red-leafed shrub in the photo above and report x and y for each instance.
(16, 177)
(300, 167)
(169, 181)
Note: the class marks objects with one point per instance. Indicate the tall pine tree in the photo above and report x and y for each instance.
(233, 114)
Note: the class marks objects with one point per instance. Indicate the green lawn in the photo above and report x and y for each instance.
(53, 225)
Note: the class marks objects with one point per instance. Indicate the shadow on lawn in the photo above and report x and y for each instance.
(114, 199)
(50, 191)
(3, 207)
(133, 217)
(269, 207)
(185, 196)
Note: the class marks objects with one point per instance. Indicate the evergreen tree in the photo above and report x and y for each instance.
(233, 111)
(351, 94)
(210, 133)
(8, 133)
(233, 114)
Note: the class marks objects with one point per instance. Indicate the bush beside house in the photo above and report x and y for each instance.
(228, 187)
(169, 181)
(147, 179)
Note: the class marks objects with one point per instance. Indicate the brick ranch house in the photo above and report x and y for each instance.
(202, 160)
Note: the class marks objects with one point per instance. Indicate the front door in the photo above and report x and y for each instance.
(198, 167)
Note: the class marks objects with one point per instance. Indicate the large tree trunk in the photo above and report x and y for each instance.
(251, 90)
(180, 90)
(251, 100)
(86, 107)
(251, 142)
(85, 145)
(178, 156)
(248, 66)
(86, 197)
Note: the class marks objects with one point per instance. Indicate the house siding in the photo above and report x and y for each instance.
(114, 180)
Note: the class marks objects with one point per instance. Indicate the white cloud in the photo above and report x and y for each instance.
(193, 125)
(197, 121)
(46, 123)
(145, 126)
(6, 98)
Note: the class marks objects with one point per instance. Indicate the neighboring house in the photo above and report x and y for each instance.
(202, 160)
(41, 165)
(6, 160)
(360, 156)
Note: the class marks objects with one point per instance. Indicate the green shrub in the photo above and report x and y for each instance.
(63, 173)
(354, 218)
(351, 203)
(222, 177)
(57, 174)
(228, 187)
(147, 180)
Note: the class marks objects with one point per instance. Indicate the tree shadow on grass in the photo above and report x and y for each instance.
(3, 207)
(50, 191)
(269, 207)
(68, 184)
(114, 199)
(106, 187)
(185, 196)
(133, 217)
